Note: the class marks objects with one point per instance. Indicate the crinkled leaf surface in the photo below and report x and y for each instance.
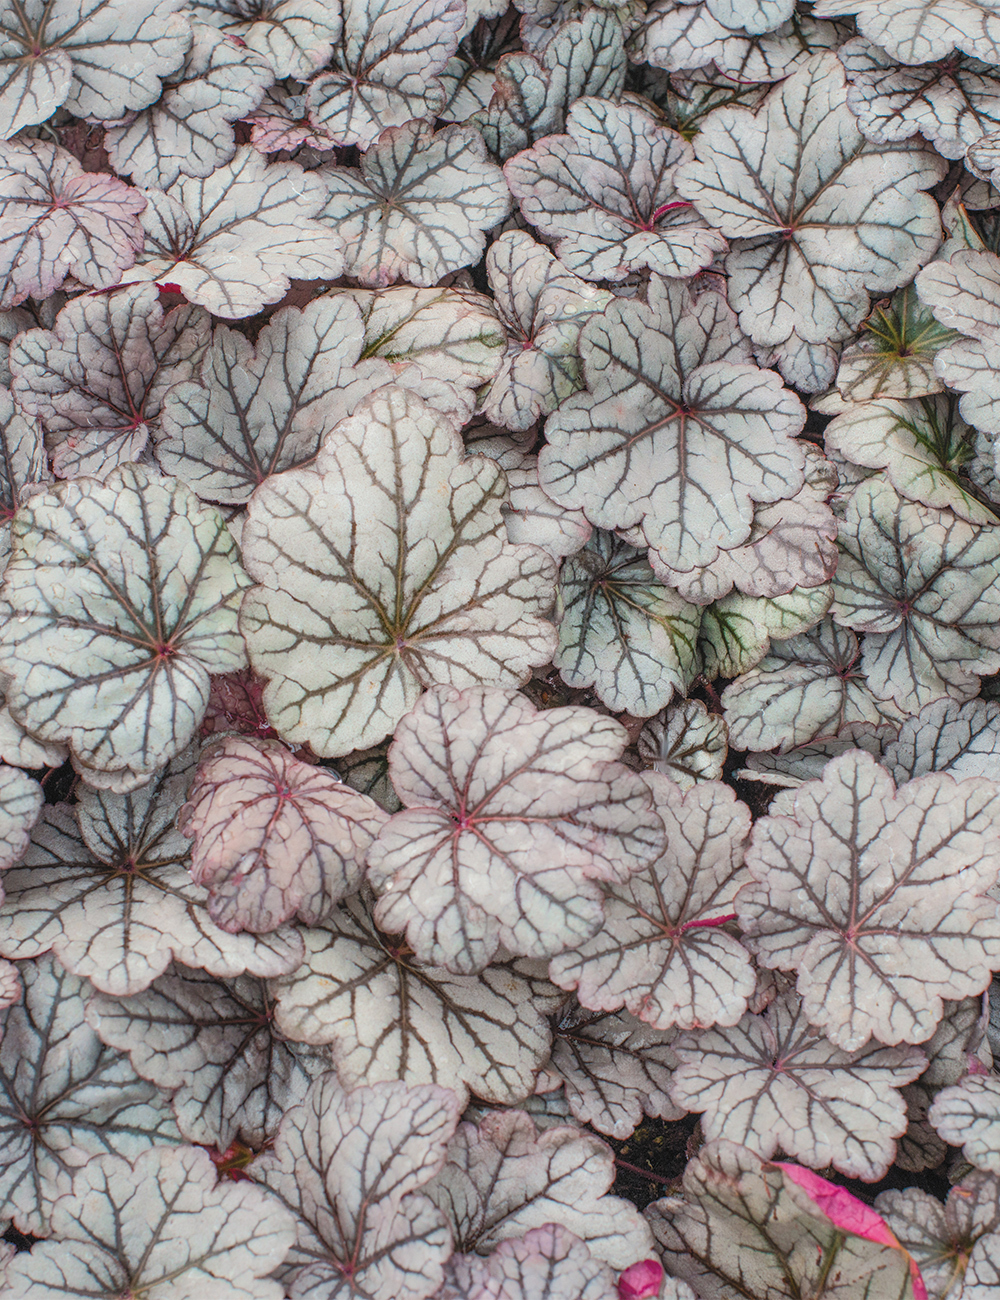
(21, 801)
(125, 598)
(922, 584)
(964, 295)
(419, 205)
(615, 1069)
(968, 1115)
(620, 631)
(65, 1098)
(503, 1177)
(542, 307)
(894, 356)
(387, 1016)
(923, 445)
(99, 57)
(532, 92)
(742, 1227)
(256, 410)
(350, 1167)
(295, 36)
(810, 236)
(232, 241)
(158, 1225)
(188, 132)
(919, 31)
(384, 68)
(661, 951)
(274, 837)
(108, 891)
(946, 736)
(772, 1082)
(876, 897)
(678, 434)
(385, 568)
(213, 1045)
(57, 220)
(808, 688)
(952, 104)
(488, 851)
(686, 743)
(605, 192)
(98, 378)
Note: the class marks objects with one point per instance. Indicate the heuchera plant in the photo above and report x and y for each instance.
(499, 649)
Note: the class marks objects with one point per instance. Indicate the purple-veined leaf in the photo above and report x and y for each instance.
(212, 1044)
(22, 465)
(541, 19)
(274, 837)
(946, 736)
(17, 747)
(256, 410)
(384, 568)
(468, 77)
(108, 891)
(367, 771)
(353, 1168)
(615, 1069)
(295, 36)
(188, 132)
(922, 584)
(662, 951)
(919, 31)
(547, 1263)
(876, 897)
(503, 1177)
(964, 295)
(807, 689)
(542, 307)
(952, 104)
(533, 92)
(487, 852)
(11, 988)
(949, 1242)
(737, 631)
(98, 57)
(772, 1082)
(967, 1114)
(983, 155)
(605, 192)
(387, 1016)
(65, 1098)
(686, 743)
(21, 802)
(806, 762)
(384, 68)
(621, 631)
(57, 220)
(232, 241)
(158, 1224)
(418, 207)
(98, 378)
(532, 517)
(125, 598)
(677, 434)
(741, 1226)
(281, 121)
(806, 250)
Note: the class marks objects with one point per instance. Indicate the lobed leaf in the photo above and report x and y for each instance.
(686, 743)
(919, 31)
(295, 36)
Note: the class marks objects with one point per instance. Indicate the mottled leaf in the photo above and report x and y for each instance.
(503, 1177)
(605, 192)
(57, 220)
(877, 898)
(350, 1167)
(369, 597)
(677, 434)
(108, 891)
(65, 1098)
(232, 241)
(419, 205)
(125, 596)
(686, 743)
(489, 852)
(98, 378)
(157, 1225)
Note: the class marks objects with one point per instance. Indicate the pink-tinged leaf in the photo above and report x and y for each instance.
(274, 837)
(642, 1281)
(236, 703)
(58, 220)
(849, 1214)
